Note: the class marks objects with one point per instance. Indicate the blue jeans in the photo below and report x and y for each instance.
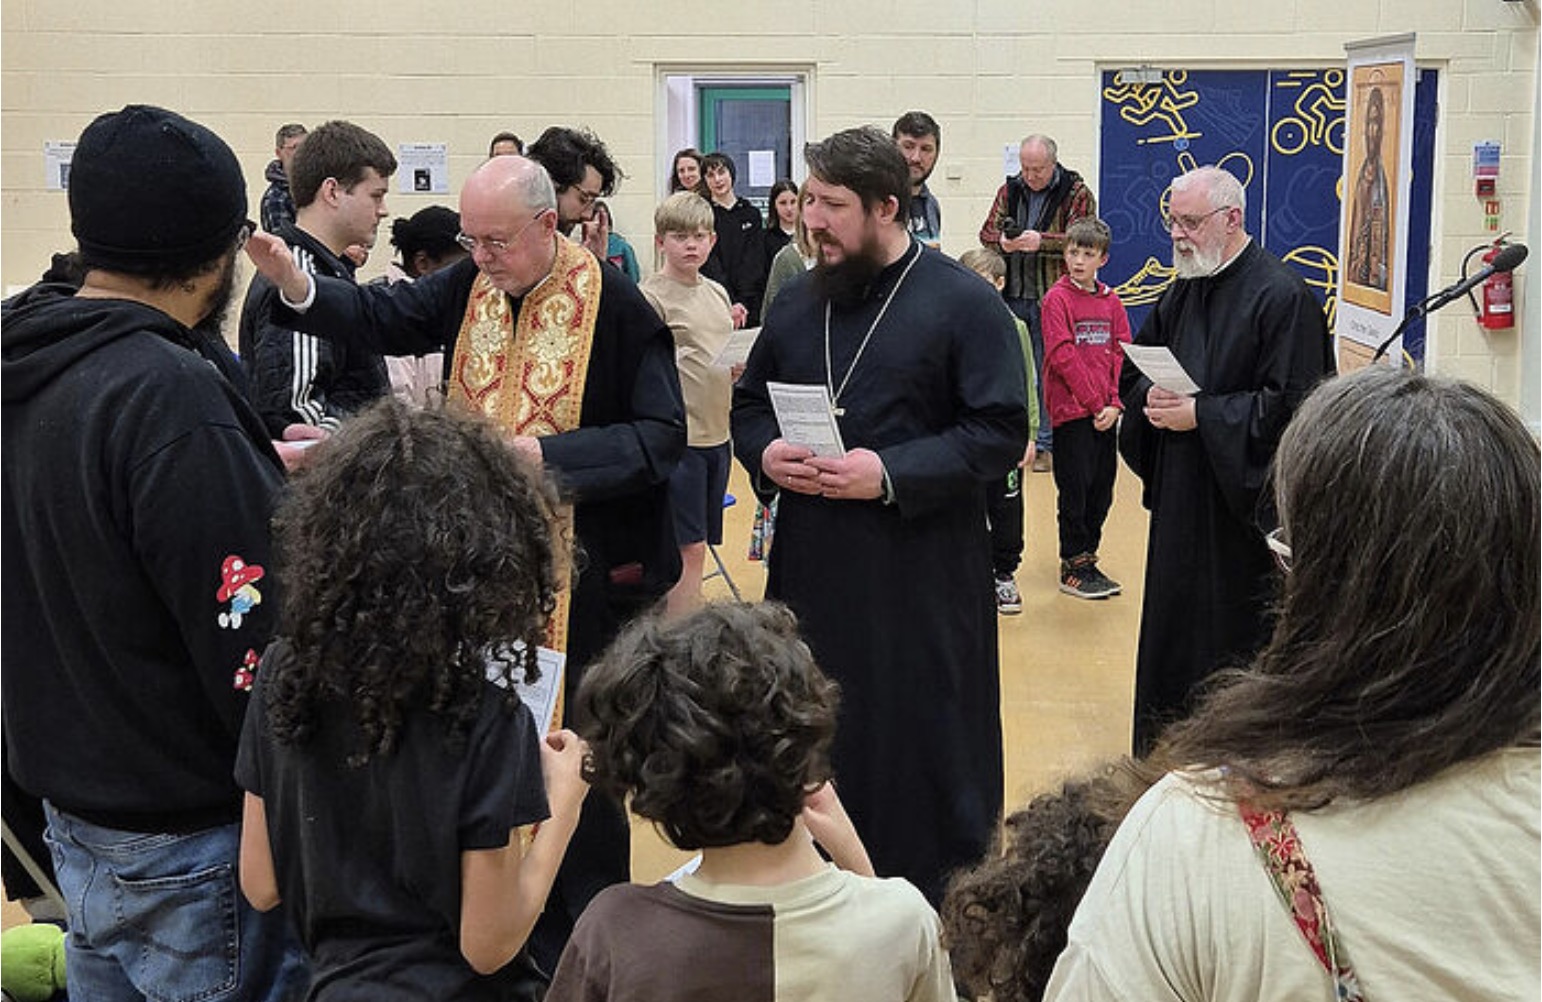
(161, 917)
(1027, 310)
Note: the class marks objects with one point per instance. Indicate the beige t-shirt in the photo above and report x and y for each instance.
(698, 316)
(1434, 892)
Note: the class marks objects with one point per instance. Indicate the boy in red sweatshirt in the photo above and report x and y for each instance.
(1084, 323)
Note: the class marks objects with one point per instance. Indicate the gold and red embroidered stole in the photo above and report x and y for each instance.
(526, 374)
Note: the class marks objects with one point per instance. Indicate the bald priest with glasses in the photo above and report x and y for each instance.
(570, 360)
(1251, 335)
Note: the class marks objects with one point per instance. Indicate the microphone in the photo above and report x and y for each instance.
(1507, 259)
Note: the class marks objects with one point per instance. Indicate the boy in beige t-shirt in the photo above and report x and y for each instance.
(697, 311)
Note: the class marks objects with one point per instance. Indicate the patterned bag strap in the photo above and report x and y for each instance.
(1278, 845)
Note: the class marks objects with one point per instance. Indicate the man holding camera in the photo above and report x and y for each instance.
(1027, 223)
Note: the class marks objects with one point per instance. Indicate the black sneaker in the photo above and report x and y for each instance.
(1080, 576)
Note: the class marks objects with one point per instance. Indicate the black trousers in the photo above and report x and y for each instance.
(1086, 461)
(1004, 513)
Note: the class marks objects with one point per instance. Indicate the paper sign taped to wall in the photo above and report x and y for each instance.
(57, 154)
(762, 168)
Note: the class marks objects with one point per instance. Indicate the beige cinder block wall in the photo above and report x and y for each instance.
(989, 70)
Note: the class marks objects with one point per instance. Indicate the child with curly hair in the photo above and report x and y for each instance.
(1005, 920)
(718, 727)
(389, 762)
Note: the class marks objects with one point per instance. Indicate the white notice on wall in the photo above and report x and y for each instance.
(762, 168)
(1011, 163)
(423, 168)
(57, 154)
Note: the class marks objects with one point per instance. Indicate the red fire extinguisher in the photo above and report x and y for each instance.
(1497, 311)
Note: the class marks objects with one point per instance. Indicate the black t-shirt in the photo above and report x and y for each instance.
(368, 858)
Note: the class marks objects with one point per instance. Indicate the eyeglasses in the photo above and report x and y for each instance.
(1275, 540)
(496, 247)
(587, 197)
(1188, 224)
(244, 234)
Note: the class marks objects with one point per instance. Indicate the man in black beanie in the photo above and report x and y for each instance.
(138, 485)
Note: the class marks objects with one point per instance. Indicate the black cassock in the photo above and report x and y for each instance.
(896, 599)
(1256, 342)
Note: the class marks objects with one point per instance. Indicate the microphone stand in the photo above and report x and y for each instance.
(1417, 311)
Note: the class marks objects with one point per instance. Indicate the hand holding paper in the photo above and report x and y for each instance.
(1156, 363)
(1170, 411)
(786, 465)
(806, 417)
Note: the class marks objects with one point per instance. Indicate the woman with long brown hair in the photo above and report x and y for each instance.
(1376, 769)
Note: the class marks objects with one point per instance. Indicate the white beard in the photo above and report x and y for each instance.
(1200, 262)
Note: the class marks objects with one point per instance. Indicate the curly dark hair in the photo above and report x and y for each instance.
(414, 550)
(1004, 922)
(717, 725)
(565, 152)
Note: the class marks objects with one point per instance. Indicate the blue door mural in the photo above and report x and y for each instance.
(1282, 133)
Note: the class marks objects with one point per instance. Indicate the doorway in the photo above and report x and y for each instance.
(759, 118)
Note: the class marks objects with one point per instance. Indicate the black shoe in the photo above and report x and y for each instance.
(1080, 576)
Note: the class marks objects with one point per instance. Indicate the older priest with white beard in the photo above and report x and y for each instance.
(1248, 331)
(883, 553)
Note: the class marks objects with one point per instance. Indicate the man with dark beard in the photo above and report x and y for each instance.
(883, 553)
(919, 139)
(1246, 328)
(137, 489)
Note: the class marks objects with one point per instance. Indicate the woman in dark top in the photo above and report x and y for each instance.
(781, 217)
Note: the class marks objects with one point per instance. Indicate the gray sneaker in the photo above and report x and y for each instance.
(1008, 601)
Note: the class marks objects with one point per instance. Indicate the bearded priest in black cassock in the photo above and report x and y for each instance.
(1250, 334)
(883, 553)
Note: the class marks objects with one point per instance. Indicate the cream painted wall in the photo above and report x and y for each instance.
(989, 70)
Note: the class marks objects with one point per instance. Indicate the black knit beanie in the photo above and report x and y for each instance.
(151, 192)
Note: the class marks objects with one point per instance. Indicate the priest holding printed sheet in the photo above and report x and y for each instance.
(883, 552)
(573, 363)
(1246, 329)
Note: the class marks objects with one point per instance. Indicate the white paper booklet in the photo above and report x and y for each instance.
(807, 418)
(540, 695)
(1157, 363)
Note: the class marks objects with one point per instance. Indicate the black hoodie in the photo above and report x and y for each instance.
(137, 574)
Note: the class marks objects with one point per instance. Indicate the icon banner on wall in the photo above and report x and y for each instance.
(1378, 155)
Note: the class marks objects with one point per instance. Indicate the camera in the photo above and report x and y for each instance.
(1011, 229)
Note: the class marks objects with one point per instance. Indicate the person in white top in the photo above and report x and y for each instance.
(1393, 719)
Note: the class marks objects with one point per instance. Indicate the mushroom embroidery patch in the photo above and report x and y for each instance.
(238, 587)
(247, 673)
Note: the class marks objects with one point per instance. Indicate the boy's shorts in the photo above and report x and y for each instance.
(696, 490)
